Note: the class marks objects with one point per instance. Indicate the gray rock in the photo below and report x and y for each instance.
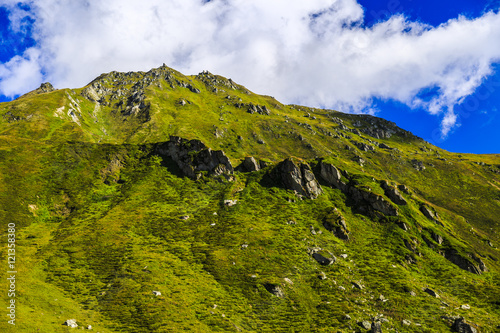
(156, 293)
(461, 326)
(193, 157)
(230, 203)
(250, 164)
(384, 146)
(404, 189)
(261, 142)
(357, 285)
(274, 289)
(322, 260)
(430, 214)
(347, 317)
(403, 226)
(418, 165)
(469, 262)
(331, 175)
(406, 322)
(365, 324)
(362, 146)
(297, 176)
(71, 323)
(335, 223)
(393, 194)
(431, 292)
(376, 327)
(364, 197)
(437, 238)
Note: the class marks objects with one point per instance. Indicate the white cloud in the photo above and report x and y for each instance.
(315, 52)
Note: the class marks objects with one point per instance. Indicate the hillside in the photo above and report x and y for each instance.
(159, 202)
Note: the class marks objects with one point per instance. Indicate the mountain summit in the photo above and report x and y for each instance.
(159, 202)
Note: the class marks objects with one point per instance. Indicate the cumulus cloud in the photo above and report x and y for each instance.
(315, 52)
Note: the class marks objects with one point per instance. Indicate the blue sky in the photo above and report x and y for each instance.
(430, 66)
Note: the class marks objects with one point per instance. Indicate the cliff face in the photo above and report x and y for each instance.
(154, 202)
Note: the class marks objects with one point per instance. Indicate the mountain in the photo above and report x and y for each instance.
(159, 202)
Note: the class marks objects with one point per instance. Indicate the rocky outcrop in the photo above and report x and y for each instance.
(331, 175)
(393, 194)
(335, 222)
(274, 289)
(193, 157)
(71, 323)
(365, 197)
(469, 262)
(380, 128)
(322, 260)
(461, 326)
(431, 292)
(430, 214)
(418, 165)
(297, 176)
(44, 88)
(363, 146)
(249, 164)
(253, 108)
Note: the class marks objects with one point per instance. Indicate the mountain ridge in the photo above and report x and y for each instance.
(147, 196)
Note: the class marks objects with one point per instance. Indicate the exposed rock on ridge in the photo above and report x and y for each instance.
(297, 176)
(362, 197)
(193, 157)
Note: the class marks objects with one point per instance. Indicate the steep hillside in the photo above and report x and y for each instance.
(159, 202)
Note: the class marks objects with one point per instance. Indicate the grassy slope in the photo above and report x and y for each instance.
(94, 249)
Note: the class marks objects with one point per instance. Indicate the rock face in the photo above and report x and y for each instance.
(331, 175)
(193, 157)
(393, 194)
(44, 88)
(297, 176)
(274, 289)
(249, 165)
(430, 214)
(469, 262)
(371, 200)
(462, 327)
(335, 223)
(362, 197)
(376, 327)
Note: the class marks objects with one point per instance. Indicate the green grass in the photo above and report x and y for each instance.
(100, 225)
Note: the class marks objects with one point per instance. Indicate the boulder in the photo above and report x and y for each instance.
(71, 323)
(437, 238)
(430, 214)
(461, 326)
(418, 165)
(335, 222)
(431, 292)
(393, 194)
(322, 260)
(362, 146)
(193, 157)
(331, 175)
(365, 197)
(297, 176)
(249, 164)
(469, 262)
(365, 324)
(376, 327)
(274, 289)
